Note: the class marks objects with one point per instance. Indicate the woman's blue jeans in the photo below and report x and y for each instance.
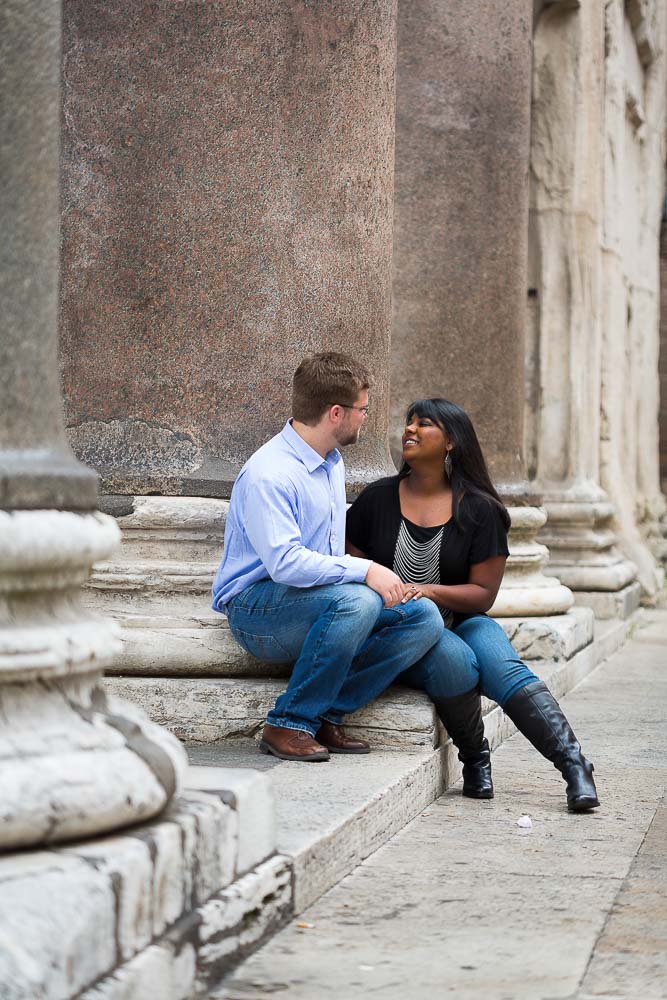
(348, 648)
(476, 653)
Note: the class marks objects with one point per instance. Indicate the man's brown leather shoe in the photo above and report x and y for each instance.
(334, 739)
(291, 744)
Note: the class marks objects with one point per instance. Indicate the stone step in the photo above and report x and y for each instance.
(614, 604)
(208, 710)
(166, 908)
(179, 635)
(330, 816)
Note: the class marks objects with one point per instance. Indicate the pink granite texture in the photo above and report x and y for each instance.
(227, 207)
(461, 215)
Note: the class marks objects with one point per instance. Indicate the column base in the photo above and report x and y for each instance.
(582, 543)
(525, 590)
(75, 763)
(553, 638)
(72, 763)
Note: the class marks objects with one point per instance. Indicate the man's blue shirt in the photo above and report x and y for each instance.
(286, 521)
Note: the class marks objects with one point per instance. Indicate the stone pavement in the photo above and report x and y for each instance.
(464, 903)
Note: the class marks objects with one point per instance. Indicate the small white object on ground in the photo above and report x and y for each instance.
(525, 822)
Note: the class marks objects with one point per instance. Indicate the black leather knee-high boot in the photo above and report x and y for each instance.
(462, 718)
(536, 713)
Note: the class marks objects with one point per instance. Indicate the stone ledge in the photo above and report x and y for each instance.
(201, 710)
(250, 794)
(331, 816)
(206, 710)
(606, 605)
(181, 636)
(139, 915)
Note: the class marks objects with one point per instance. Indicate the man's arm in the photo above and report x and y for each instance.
(273, 531)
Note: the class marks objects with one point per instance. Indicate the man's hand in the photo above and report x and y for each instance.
(385, 583)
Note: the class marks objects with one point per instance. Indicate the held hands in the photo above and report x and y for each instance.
(391, 588)
(385, 583)
(413, 591)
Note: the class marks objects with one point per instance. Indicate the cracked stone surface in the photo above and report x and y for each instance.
(464, 903)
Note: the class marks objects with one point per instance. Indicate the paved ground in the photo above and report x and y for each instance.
(464, 903)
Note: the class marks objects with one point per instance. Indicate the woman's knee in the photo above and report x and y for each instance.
(501, 670)
(447, 670)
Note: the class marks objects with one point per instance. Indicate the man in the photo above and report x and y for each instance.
(289, 591)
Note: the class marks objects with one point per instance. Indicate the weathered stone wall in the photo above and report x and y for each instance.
(634, 177)
(564, 344)
(662, 365)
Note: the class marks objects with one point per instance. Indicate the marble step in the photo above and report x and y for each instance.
(212, 709)
(330, 816)
(168, 907)
(209, 710)
(172, 635)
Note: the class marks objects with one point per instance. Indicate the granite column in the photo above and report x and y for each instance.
(226, 211)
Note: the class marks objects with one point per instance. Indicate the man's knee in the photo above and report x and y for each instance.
(358, 600)
(426, 615)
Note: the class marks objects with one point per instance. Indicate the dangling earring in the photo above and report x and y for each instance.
(448, 465)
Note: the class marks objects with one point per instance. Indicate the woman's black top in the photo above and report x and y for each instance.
(374, 522)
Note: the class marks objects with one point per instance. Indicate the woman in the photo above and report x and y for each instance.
(441, 526)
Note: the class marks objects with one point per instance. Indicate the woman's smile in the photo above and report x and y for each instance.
(422, 433)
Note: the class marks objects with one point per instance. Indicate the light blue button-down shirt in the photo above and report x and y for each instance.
(286, 521)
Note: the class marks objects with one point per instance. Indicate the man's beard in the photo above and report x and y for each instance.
(348, 437)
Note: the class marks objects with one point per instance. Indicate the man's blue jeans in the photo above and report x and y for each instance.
(347, 646)
(476, 653)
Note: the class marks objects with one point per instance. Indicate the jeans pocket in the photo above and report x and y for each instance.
(263, 647)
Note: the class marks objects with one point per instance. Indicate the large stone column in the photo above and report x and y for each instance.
(565, 278)
(461, 223)
(634, 180)
(227, 209)
(71, 762)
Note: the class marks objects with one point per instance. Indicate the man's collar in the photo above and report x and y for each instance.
(310, 458)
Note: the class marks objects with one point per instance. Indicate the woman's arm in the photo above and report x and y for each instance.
(478, 594)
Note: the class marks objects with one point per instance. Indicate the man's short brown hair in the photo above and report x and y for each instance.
(324, 379)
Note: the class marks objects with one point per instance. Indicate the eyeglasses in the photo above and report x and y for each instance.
(349, 406)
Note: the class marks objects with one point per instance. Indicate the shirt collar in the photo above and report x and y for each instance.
(310, 458)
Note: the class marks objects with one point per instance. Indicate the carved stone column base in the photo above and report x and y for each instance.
(72, 763)
(525, 590)
(584, 556)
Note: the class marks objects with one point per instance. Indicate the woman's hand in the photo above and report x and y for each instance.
(413, 591)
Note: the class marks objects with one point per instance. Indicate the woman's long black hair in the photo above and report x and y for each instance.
(470, 476)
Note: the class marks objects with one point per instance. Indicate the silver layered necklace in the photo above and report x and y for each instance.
(417, 562)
